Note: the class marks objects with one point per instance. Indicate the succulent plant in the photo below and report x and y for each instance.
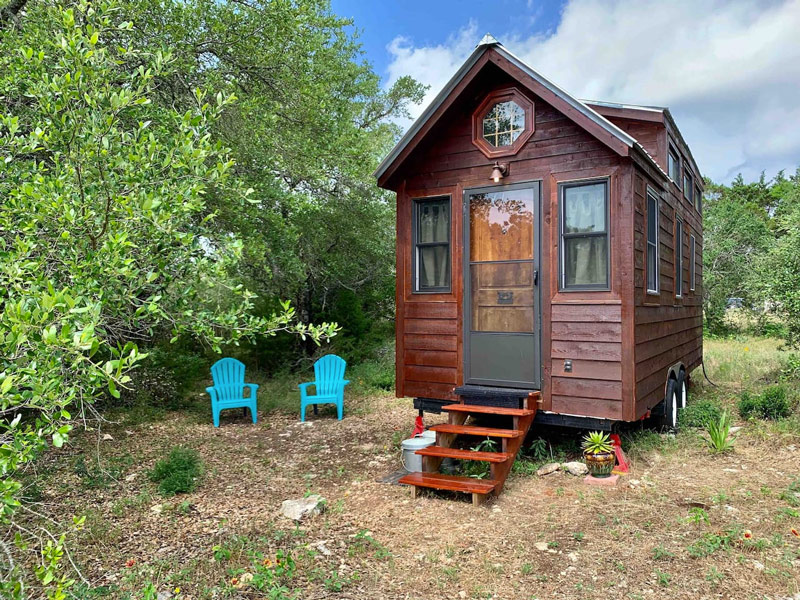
(597, 442)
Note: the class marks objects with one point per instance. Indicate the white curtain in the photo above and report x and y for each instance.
(433, 226)
(586, 258)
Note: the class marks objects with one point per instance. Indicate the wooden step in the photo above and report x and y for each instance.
(489, 410)
(453, 483)
(479, 431)
(440, 452)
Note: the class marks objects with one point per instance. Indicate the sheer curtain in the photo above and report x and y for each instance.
(433, 260)
(585, 235)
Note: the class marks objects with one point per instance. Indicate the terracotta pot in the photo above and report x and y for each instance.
(600, 465)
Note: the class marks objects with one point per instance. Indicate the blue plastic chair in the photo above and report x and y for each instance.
(329, 385)
(228, 388)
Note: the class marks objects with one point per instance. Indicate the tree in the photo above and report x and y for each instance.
(106, 236)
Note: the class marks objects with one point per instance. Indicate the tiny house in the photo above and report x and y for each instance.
(549, 252)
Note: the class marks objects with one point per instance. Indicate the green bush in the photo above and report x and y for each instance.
(773, 403)
(791, 367)
(699, 414)
(179, 472)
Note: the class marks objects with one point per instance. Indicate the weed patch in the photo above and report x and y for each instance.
(178, 473)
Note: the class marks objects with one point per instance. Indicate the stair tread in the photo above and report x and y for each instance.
(473, 430)
(441, 452)
(454, 483)
(489, 410)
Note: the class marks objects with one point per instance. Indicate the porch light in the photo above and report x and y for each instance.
(499, 171)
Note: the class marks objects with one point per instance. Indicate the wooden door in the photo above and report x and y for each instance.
(501, 299)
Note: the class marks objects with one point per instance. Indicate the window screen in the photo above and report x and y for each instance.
(584, 236)
(432, 245)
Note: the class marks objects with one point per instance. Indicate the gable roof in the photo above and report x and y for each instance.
(622, 142)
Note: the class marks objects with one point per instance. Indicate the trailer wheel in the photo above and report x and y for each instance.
(668, 417)
(683, 390)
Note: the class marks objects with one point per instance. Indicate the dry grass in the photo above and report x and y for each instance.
(677, 533)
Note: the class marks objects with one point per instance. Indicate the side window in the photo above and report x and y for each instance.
(652, 242)
(678, 258)
(698, 199)
(674, 165)
(692, 260)
(431, 244)
(583, 224)
(688, 186)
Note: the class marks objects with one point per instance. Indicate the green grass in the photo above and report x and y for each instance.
(178, 473)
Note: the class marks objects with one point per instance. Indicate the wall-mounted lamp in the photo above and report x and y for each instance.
(499, 171)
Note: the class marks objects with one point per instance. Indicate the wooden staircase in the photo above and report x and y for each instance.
(500, 462)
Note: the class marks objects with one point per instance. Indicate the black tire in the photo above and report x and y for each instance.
(668, 413)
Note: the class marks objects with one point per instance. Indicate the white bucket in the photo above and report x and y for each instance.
(413, 462)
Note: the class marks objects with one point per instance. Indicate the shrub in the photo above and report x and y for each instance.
(791, 367)
(719, 430)
(773, 403)
(178, 473)
(699, 414)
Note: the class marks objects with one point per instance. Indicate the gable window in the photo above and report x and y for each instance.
(652, 242)
(674, 165)
(678, 258)
(583, 226)
(692, 259)
(431, 243)
(504, 123)
(688, 186)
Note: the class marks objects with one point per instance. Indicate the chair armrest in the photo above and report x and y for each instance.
(304, 386)
(253, 389)
(345, 381)
(213, 393)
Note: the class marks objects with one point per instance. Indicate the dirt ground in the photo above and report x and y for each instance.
(684, 523)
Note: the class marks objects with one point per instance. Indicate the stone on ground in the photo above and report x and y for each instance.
(575, 468)
(547, 469)
(303, 508)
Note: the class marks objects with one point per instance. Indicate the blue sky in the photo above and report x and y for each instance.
(729, 70)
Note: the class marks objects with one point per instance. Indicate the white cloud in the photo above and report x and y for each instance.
(729, 71)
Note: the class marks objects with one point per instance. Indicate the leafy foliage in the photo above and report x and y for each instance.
(772, 403)
(597, 442)
(699, 413)
(178, 473)
(719, 433)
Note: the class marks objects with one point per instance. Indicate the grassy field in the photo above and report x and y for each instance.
(686, 523)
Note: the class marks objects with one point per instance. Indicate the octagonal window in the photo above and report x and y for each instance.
(503, 124)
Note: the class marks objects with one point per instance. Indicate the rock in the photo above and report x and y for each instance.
(462, 594)
(164, 595)
(541, 546)
(575, 468)
(303, 507)
(757, 565)
(157, 508)
(107, 437)
(733, 430)
(323, 549)
(130, 477)
(573, 556)
(635, 483)
(547, 469)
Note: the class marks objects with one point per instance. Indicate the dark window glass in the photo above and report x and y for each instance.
(652, 243)
(692, 259)
(432, 245)
(584, 236)
(679, 258)
(674, 166)
(698, 199)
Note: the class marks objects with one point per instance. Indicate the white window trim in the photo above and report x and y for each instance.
(692, 263)
(679, 263)
(657, 290)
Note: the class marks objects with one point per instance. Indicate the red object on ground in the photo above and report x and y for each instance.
(609, 481)
(622, 461)
(418, 427)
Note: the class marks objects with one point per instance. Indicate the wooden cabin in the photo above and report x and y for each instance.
(549, 257)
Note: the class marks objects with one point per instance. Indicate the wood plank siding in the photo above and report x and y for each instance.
(622, 341)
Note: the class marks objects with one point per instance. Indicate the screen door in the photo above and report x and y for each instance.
(501, 286)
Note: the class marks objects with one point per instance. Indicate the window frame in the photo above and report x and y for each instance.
(562, 279)
(498, 97)
(648, 242)
(698, 199)
(678, 255)
(673, 153)
(416, 203)
(692, 262)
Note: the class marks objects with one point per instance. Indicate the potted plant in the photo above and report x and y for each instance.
(598, 451)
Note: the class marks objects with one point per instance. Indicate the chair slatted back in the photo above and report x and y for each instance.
(228, 375)
(329, 373)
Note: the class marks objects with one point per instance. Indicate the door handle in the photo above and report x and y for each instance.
(536, 277)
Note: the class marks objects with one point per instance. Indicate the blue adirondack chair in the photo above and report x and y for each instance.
(228, 388)
(329, 385)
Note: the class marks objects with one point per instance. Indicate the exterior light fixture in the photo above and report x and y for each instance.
(499, 171)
